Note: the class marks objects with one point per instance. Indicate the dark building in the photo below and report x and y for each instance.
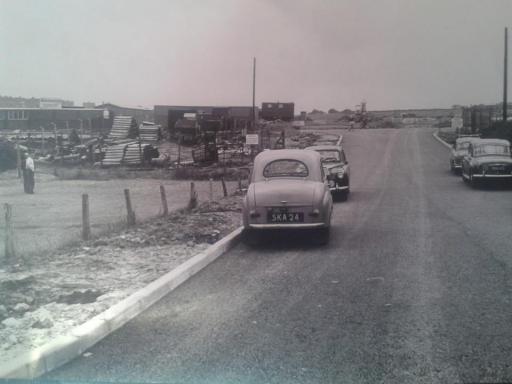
(234, 118)
(478, 117)
(64, 119)
(277, 111)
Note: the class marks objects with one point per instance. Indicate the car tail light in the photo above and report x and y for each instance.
(254, 214)
(315, 213)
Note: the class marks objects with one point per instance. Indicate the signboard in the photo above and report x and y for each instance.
(252, 139)
(457, 123)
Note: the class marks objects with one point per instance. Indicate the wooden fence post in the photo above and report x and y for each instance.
(211, 189)
(163, 197)
(224, 189)
(86, 226)
(10, 251)
(129, 211)
(193, 196)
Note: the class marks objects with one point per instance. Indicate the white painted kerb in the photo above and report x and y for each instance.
(66, 348)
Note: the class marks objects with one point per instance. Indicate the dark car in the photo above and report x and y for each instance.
(459, 150)
(336, 169)
(487, 159)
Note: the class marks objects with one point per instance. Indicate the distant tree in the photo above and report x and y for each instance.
(332, 110)
(7, 156)
(316, 111)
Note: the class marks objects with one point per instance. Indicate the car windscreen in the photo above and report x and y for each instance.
(491, 149)
(285, 168)
(464, 145)
(330, 156)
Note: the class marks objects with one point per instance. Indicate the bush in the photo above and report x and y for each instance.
(7, 156)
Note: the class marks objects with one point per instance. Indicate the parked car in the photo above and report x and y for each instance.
(336, 169)
(487, 159)
(287, 190)
(459, 150)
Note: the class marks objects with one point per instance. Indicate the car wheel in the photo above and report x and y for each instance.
(322, 236)
(463, 178)
(251, 237)
(472, 180)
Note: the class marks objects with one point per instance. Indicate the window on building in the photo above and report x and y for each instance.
(281, 106)
(17, 115)
(269, 105)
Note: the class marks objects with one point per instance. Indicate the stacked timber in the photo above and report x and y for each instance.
(149, 133)
(114, 155)
(134, 154)
(122, 127)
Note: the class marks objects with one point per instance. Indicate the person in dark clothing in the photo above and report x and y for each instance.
(24, 172)
(28, 175)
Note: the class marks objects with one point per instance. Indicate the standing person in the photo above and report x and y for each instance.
(30, 169)
(24, 172)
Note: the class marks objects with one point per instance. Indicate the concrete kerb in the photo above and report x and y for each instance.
(65, 348)
(436, 136)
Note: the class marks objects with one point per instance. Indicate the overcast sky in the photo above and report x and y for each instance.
(318, 54)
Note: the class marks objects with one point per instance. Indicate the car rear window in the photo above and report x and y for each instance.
(285, 168)
(491, 149)
(329, 155)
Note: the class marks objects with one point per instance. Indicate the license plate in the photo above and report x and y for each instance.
(283, 216)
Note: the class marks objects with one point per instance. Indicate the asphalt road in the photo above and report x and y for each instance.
(414, 287)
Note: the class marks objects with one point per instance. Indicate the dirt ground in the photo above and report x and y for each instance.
(51, 217)
(55, 292)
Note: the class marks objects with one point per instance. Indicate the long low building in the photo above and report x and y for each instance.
(240, 117)
(33, 119)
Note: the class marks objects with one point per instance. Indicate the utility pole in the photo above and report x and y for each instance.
(254, 93)
(505, 79)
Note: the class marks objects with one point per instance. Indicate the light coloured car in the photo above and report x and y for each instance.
(487, 160)
(459, 150)
(288, 190)
(336, 168)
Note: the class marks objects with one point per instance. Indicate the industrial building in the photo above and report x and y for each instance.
(233, 117)
(277, 111)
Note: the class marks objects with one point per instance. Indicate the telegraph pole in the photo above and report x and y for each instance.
(505, 80)
(254, 93)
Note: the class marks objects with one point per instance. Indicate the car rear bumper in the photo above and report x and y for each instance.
(288, 226)
(487, 176)
(338, 188)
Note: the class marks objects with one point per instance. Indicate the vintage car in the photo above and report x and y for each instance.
(336, 169)
(459, 150)
(487, 159)
(287, 190)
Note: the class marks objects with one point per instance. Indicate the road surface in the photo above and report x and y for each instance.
(414, 287)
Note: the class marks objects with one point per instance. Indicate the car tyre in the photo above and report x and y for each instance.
(472, 180)
(251, 237)
(322, 236)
